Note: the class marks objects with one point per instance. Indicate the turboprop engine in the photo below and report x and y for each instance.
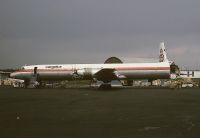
(86, 73)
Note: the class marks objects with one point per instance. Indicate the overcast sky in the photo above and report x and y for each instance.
(89, 31)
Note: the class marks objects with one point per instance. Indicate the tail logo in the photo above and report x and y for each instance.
(161, 55)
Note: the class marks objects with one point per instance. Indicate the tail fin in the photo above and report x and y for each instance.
(162, 53)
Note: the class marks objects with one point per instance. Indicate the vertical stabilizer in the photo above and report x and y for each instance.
(162, 53)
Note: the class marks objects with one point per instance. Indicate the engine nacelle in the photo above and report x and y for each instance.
(87, 73)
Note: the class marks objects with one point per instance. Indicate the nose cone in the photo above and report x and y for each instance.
(12, 75)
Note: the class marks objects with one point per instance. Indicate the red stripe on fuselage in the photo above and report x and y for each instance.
(44, 70)
(143, 68)
(118, 69)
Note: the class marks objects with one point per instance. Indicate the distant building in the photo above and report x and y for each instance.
(193, 74)
(4, 75)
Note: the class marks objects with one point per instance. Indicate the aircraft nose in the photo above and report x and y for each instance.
(12, 75)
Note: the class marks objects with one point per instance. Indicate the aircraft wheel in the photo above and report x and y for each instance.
(105, 86)
(26, 83)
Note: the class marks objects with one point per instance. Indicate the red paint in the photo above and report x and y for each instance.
(118, 69)
(44, 70)
(143, 68)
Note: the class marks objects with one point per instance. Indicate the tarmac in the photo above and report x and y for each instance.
(92, 113)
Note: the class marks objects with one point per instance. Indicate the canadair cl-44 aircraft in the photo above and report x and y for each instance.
(99, 72)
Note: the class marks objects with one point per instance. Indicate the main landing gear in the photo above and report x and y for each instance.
(105, 85)
(33, 82)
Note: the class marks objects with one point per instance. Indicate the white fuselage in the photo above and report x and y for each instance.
(160, 70)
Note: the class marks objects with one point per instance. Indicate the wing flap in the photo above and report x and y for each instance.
(107, 74)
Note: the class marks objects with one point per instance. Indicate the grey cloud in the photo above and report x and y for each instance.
(80, 31)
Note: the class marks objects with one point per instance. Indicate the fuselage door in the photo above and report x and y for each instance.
(35, 70)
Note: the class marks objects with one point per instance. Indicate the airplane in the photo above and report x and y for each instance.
(97, 72)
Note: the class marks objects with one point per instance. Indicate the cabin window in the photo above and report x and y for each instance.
(53, 67)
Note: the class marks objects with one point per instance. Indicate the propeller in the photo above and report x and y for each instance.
(76, 75)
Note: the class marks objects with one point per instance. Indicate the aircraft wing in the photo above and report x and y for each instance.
(108, 74)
